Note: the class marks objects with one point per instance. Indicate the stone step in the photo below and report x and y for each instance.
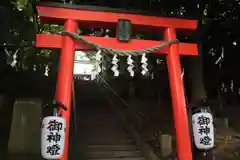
(100, 128)
(124, 158)
(110, 134)
(112, 154)
(115, 147)
(23, 157)
(113, 137)
(103, 137)
(108, 142)
(95, 119)
(99, 123)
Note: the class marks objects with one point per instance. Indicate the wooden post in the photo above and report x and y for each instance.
(65, 78)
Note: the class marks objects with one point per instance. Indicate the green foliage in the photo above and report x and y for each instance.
(51, 28)
(22, 30)
(20, 4)
(23, 4)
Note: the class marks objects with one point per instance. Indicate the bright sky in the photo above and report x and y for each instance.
(82, 65)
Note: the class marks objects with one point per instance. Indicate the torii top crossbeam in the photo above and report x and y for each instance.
(99, 17)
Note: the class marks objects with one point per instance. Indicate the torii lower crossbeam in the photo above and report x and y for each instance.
(72, 17)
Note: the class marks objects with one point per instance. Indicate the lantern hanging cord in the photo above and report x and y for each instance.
(119, 52)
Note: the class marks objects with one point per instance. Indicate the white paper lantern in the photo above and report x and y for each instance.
(203, 130)
(53, 137)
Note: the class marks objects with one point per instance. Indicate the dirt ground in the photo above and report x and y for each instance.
(228, 134)
(227, 130)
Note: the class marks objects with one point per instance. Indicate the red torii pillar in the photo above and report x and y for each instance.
(71, 17)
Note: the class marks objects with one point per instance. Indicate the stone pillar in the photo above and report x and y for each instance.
(165, 145)
(25, 134)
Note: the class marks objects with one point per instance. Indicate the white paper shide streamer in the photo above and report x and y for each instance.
(47, 69)
(52, 137)
(11, 59)
(14, 62)
(203, 130)
(98, 69)
(98, 59)
(144, 64)
(182, 74)
(115, 66)
(130, 66)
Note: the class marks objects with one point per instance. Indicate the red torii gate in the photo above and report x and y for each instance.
(72, 17)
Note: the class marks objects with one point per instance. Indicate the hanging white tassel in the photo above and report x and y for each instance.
(130, 65)
(97, 68)
(14, 62)
(221, 58)
(232, 86)
(144, 64)
(115, 66)
(98, 61)
(11, 59)
(152, 76)
(34, 67)
(182, 74)
(47, 69)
